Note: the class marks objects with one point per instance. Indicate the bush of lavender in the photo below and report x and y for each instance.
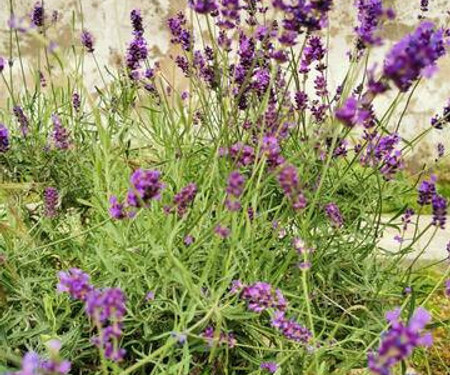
(229, 228)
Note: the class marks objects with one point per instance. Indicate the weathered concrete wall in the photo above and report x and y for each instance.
(109, 22)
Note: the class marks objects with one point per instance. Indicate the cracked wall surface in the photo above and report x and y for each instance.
(109, 22)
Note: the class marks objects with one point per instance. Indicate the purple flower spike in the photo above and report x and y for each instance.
(427, 190)
(203, 6)
(107, 304)
(290, 328)
(150, 296)
(51, 199)
(261, 296)
(2, 64)
(106, 307)
(406, 218)
(447, 288)
(180, 34)
(87, 40)
(108, 341)
(370, 16)
(270, 367)
(146, 186)
(234, 190)
(222, 231)
(289, 182)
(55, 367)
(227, 339)
(185, 197)
(241, 154)
(399, 342)
(301, 100)
(300, 15)
(181, 338)
(22, 119)
(334, 214)
(314, 52)
(60, 134)
(272, 150)
(188, 240)
(424, 5)
(30, 364)
(439, 205)
(414, 55)
(38, 14)
(116, 209)
(76, 102)
(137, 52)
(137, 22)
(76, 283)
(347, 114)
(4, 139)
(440, 150)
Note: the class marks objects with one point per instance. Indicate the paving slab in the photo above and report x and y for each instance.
(431, 246)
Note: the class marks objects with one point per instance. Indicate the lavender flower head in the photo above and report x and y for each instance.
(370, 16)
(447, 288)
(427, 190)
(185, 197)
(227, 339)
(76, 102)
(145, 187)
(137, 22)
(188, 240)
(334, 214)
(415, 55)
(107, 307)
(203, 6)
(406, 218)
(150, 296)
(22, 119)
(314, 52)
(400, 340)
(299, 15)
(87, 40)
(270, 367)
(440, 150)
(60, 134)
(76, 283)
(291, 329)
(116, 209)
(424, 5)
(180, 34)
(2, 64)
(222, 231)
(51, 199)
(234, 190)
(107, 304)
(136, 53)
(290, 184)
(4, 138)
(261, 296)
(439, 206)
(32, 364)
(241, 154)
(347, 114)
(38, 14)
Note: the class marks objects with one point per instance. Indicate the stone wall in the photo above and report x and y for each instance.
(109, 22)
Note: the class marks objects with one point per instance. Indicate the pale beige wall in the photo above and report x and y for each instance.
(109, 22)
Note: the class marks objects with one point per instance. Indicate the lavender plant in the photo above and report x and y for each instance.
(233, 226)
